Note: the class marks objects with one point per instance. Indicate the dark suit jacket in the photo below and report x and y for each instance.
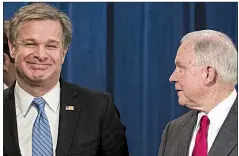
(92, 129)
(177, 135)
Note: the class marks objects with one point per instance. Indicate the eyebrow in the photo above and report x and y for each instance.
(177, 63)
(28, 39)
(33, 40)
(53, 41)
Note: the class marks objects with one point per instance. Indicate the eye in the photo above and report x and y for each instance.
(179, 69)
(51, 46)
(29, 45)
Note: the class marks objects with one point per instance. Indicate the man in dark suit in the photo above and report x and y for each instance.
(43, 114)
(9, 71)
(205, 78)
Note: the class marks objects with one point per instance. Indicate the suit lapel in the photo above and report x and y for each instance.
(10, 135)
(186, 132)
(227, 137)
(68, 118)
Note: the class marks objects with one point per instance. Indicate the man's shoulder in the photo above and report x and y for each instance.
(88, 96)
(183, 118)
(67, 86)
(93, 102)
(7, 94)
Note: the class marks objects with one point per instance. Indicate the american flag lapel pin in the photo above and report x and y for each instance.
(70, 108)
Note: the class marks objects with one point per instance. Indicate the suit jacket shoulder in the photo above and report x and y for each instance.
(183, 119)
(94, 127)
(10, 136)
(7, 93)
(177, 135)
(94, 99)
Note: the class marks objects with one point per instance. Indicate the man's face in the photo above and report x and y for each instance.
(38, 51)
(187, 76)
(9, 71)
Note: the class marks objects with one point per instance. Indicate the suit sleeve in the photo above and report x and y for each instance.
(114, 141)
(4, 152)
(164, 141)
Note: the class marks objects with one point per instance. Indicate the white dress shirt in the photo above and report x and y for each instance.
(27, 113)
(5, 86)
(216, 116)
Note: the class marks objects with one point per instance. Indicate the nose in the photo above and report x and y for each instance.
(40, 52)
(173, 77)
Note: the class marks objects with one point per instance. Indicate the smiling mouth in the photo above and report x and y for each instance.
(36, 66)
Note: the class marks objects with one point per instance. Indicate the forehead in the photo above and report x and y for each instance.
(40, 30)
(185, 53)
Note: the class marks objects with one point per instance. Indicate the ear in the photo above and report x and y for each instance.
(210, 75)
(6, 62)
(12, 49)
(64, 55)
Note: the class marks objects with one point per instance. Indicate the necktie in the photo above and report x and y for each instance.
(200, 148)
(41, 133)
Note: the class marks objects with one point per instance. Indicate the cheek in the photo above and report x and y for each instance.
(182, 78)
(19, 58)
(187, 81)
(56, 59)
(21, 54)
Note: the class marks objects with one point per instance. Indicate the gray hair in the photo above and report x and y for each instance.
(217, 50)
(40, 11)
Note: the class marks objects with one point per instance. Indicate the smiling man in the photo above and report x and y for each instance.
(205, 78)
(43, 114)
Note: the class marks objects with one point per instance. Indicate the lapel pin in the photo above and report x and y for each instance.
(70, 108)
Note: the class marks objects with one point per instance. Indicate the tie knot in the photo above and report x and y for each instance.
(204, 122)
(39, 103)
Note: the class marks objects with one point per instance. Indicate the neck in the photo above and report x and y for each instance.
(35, 89)
(216, 96)
(8, 80)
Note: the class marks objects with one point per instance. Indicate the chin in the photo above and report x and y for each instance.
(38, 74)
(37, 80)
(182, 102)
(37, 77)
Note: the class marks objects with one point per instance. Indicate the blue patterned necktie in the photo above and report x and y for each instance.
(41, 133)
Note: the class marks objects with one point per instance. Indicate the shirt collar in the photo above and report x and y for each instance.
(219, 113)
(52, 98)
(24, 99)
(5, 86)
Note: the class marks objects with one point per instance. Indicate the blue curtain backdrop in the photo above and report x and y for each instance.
(128, 49)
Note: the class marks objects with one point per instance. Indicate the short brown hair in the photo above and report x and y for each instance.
(40, 11)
